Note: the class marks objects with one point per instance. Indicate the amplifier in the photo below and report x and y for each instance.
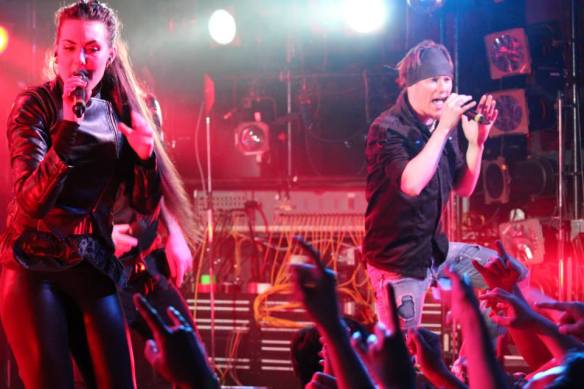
(243, 351)
(276, 209)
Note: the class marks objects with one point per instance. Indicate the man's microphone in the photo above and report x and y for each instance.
(79, 95)
(477, 117)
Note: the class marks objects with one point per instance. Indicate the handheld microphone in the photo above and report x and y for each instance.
(79, 95)
(477, 117)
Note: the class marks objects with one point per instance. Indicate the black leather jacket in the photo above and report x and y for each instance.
(65, 176)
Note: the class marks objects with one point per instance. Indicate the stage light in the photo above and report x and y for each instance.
(252, 138)
(205, 279)
(425, 6)
(365, 16)
(222, 27)
(524, 240)
(4, 38)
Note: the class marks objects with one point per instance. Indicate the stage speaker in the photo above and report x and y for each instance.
(508, 53)
(513, 116)
(496, 180)
(518, 181)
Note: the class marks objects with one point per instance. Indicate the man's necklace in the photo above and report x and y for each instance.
(432, 126)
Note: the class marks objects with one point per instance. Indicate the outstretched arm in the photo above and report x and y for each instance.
(316, 288)
(483, 369)
(176, 353)
(503, 272)
(385, 352)
(571, 321)
(513, 311)
(425, 345)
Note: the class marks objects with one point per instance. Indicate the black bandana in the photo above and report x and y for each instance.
(433, 63)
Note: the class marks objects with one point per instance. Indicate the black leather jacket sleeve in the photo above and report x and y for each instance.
(147, 186)
(75, 168)
(37, 171)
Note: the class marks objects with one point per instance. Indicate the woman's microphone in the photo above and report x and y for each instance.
(79, 95)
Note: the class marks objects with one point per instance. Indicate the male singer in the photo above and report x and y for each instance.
(414, 160)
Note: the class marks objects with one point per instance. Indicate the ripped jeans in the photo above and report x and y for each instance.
(410, 292)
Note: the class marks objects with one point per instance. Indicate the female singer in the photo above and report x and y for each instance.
(73, 142)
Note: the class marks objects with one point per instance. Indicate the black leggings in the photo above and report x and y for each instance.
(47, 317)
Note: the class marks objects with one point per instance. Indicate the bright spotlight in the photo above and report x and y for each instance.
(365, 16)
(222, 27)
(3, 39)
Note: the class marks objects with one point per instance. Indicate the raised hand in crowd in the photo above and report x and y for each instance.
(326, 363)
(322, 381)
(513, 311)
(425, 345)
(571, 322)
(176, 352)
(509, 310)
(315, 287)
(385, 353)
(464, 303)
(504, 272)
(500, 272)
(483, 369)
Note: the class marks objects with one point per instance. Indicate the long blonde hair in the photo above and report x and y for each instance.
(120, 86)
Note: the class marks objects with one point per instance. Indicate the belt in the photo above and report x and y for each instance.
(44, 251)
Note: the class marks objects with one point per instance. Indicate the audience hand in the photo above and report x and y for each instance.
(572, 320)
(425, 345)
(316, 288)
(499, 272)
(176, 353)
(483, 369)
(322, 381)
(326, 363)
(385, 353)
(463, 299)
(508, 309)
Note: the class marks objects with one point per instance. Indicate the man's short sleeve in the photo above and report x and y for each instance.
(387, 152)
